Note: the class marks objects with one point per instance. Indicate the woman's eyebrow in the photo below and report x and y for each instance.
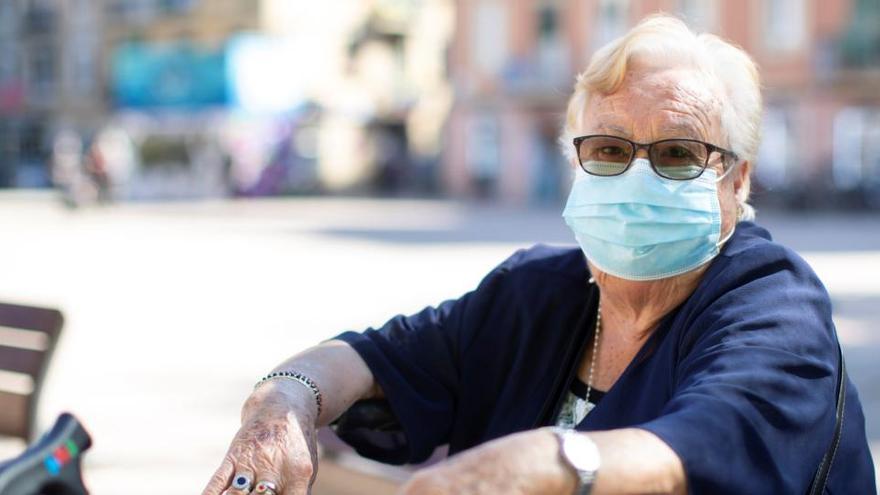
(668, 131)
(615, 130)
(682, 130)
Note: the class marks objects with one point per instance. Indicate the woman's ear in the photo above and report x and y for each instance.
(742, 180)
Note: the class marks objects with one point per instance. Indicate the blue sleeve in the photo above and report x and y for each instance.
(415, 359)
(754, 400)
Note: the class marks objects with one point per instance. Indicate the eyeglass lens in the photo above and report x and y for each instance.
(673, 159)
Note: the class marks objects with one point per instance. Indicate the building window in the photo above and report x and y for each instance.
(700, 15)
(138, 11)
(784, 24)
(175, 6)
(83, 66)
(611, 21)
(42, 74)
(856, 141)
(82, 15)
(8, 60)
(482, 155)
(489, 36)
(548, 22)
(81, 48)
(777, 150)
(860, 41)
(552, 54)
(41, 16)
(8, 18)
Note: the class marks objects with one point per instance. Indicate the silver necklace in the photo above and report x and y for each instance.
(595, 351)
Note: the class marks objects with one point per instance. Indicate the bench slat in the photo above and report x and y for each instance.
(27, 361)
(31, 318)
(14, 421)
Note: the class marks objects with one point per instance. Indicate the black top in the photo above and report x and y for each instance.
(739, 380)
(579, 388)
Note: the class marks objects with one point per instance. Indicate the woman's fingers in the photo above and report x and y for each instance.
(270, 472)
(297, 476)
(220, 479)
(277, 453)
(265, 486)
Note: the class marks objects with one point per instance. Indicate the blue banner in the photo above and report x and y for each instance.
(169, 75)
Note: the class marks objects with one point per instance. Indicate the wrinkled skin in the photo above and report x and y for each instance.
(655, 104)
(276, 442)
(511, 465)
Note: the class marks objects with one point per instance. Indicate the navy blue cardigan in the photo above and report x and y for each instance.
(739, 380)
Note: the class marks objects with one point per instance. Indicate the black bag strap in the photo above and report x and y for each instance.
(821, 477)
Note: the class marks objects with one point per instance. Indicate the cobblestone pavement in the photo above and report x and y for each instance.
(174, 309)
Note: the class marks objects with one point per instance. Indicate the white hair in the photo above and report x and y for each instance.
(662, 39)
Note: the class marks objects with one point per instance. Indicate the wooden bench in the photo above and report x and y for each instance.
(28, 336)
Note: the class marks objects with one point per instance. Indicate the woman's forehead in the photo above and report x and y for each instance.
(656, 105)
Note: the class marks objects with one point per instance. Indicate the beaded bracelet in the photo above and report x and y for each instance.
(299, 378)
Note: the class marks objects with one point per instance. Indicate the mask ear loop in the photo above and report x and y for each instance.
(739, 209)
(722, 242)
(728, 171)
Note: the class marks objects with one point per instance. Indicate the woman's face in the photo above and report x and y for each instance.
(654, 104)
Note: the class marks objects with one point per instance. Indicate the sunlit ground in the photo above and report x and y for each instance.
(174, 310)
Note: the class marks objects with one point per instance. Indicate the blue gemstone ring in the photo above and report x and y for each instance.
(242, 482)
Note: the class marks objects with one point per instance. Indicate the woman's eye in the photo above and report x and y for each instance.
(611, 150)
(679, 152)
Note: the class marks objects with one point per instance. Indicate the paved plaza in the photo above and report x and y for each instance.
(175, 309)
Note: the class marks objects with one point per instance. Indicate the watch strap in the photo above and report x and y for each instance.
(585, 478)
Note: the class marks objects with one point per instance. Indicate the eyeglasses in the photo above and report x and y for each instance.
(675, 159)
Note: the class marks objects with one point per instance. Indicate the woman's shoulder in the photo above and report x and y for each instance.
(752, 252)
(543, 261)
(753, 239)
(759, 279)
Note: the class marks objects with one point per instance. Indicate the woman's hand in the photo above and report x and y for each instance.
(521, 464)
(276, 442)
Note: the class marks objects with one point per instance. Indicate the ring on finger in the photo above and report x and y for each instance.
(266, 488)
(242, 482)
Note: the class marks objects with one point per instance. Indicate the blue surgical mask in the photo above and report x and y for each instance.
(640, 226)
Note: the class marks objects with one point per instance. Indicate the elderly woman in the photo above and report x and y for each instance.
(679, 350)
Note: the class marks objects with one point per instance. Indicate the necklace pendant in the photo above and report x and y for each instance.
(588, 407)
(581, 409)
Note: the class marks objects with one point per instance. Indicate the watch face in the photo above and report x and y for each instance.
(581, 452)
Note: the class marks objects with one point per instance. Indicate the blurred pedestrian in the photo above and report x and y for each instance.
(67, 167)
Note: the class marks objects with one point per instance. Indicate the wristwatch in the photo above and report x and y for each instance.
(579, 452)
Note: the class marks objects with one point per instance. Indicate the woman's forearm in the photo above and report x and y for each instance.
(277, 440)
(339, 372)
(632, 460)
(637, 461)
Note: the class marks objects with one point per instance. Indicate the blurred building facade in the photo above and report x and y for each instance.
(48, 66)
(336, 96)
(513, 64)
(463, 98)
(55, 67)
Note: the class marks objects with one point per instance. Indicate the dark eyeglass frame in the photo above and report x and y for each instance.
(710, 148)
